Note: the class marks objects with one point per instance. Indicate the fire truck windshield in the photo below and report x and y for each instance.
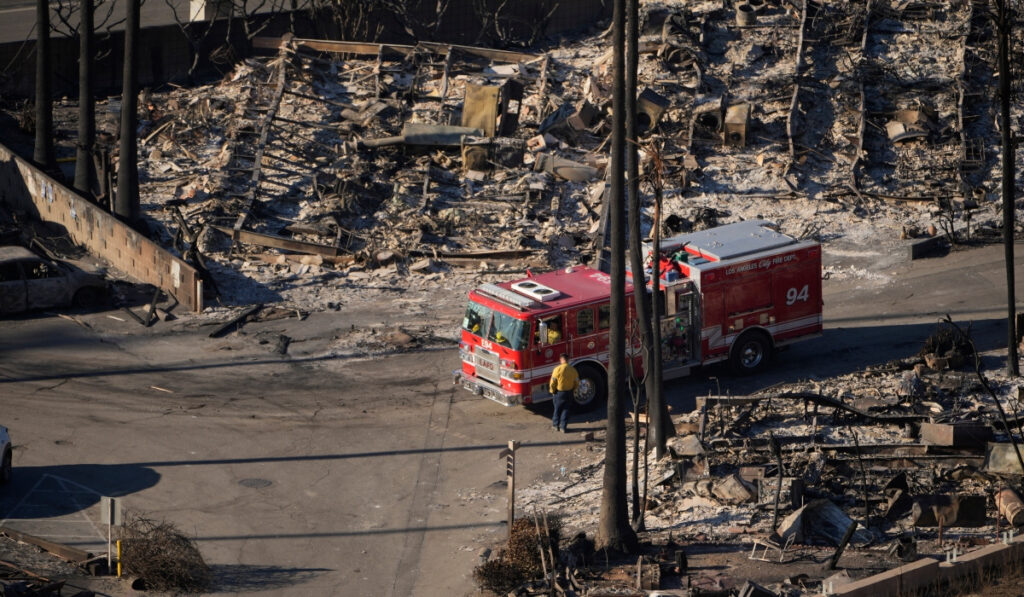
(496, 327)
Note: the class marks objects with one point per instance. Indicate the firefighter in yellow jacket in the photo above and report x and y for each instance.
(564, 382)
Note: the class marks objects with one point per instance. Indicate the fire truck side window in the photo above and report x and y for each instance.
(554, 331)
(584, 322)
(604, 317)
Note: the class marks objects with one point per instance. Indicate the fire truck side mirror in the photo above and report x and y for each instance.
(542, 331)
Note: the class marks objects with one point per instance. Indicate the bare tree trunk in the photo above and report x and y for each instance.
(127, 205)
(84, 172)
(43, 153)
(613, 530)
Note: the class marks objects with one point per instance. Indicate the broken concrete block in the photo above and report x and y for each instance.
(949, 511)
(422, 266)
(650, 107)
(542, 142)
(565, 169)
(966, 434)
(735, 125)
(569, 120)
(753, 473)
(733, 489)
(689, 446)
(1001, 458)
(586, 116)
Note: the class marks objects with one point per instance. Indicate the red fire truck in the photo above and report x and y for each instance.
(734, 292)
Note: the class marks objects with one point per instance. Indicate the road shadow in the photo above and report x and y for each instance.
(53, 491)
(247, 578)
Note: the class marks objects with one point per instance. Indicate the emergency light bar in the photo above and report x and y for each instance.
(506, 295)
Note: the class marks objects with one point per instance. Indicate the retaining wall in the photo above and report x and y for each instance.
(23, 187)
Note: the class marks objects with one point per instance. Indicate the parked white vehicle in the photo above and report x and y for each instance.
(6, 466)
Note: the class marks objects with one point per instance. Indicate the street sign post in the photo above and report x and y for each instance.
(111, 513)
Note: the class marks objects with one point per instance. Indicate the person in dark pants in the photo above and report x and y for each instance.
(564, 381)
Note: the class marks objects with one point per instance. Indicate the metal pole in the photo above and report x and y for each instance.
(510, 479)
(1009, 196)
(110, 525)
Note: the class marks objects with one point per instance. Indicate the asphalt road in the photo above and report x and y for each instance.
(312, 474)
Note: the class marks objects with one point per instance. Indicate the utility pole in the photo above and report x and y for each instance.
(84, 176)
(1004, 21)
(126, 205)
(43, 153)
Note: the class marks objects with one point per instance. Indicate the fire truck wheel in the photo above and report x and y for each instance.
(750, 353)
(593, 388)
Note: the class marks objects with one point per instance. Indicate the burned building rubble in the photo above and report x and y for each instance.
(321, 173)
(322, 163)
(805, 488)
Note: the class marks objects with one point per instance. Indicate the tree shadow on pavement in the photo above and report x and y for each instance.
(51, 491)
(246, 578)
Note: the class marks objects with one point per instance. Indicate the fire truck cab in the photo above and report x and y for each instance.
(735, 292)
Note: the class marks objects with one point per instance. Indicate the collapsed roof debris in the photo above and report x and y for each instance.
(438, 156)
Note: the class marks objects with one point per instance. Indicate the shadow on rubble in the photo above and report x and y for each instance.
(245, 578)
(237, 289)
(50, 491)
(839, 351)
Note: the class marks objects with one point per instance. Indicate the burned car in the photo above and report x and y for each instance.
(28, 281)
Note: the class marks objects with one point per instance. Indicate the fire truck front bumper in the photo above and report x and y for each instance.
(486, 389)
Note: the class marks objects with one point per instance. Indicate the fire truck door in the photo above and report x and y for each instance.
(583, 333)
(679, 327)
(549, 341)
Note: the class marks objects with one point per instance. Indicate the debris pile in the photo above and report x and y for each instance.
(897, 461)
(333, 167)
(162, 556)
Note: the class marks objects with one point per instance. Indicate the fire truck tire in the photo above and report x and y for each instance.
(593, 388)
(751, 352)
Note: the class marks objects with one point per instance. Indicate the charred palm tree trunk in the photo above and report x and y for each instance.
(126, 206)
(84, 172)
(614, 531)
(1004, 22)
(43, 154)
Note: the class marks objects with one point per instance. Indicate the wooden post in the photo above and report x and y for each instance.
(510, 478)
(834, 560)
